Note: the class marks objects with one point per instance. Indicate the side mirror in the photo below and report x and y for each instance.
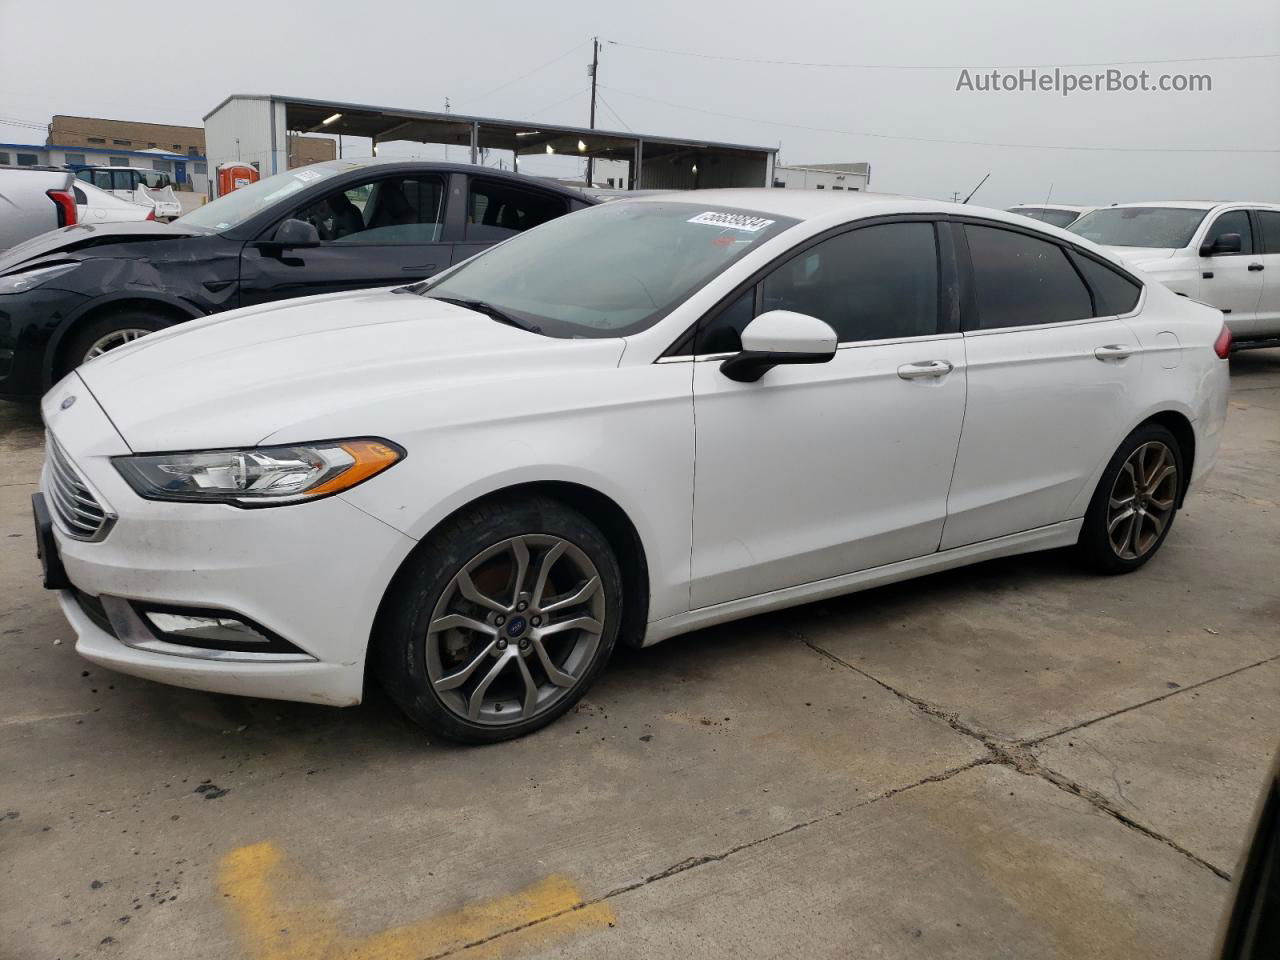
(296, 233)
(1222, 243)
(776, 337)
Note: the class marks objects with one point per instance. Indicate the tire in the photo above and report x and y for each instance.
(120, 322)
(465, 576)
(1115, 541)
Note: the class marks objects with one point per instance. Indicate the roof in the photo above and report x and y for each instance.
(1182, 204)
(811, 204)
(369, 120)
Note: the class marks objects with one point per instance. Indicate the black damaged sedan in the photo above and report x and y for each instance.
(72, 294)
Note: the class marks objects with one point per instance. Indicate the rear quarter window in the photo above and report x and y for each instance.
(1113, 292)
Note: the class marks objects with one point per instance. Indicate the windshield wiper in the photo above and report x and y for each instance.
(489, 310)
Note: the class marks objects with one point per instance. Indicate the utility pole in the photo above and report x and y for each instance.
(594, 69)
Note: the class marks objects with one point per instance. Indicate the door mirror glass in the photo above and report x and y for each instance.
(779, 336)
(296, 233)
(1221, 244)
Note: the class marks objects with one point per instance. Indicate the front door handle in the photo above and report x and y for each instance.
(1253, 267)
(1113, 351)
(923, 369)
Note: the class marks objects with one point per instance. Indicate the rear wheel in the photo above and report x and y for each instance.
(106, 333)
(505, 619)
(1133, 509)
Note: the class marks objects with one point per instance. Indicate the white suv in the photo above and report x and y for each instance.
(1224, 254)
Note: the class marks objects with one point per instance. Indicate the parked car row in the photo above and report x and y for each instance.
(474, 487)
(73, 294)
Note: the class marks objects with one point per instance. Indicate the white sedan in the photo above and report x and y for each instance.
(640, 419)
(102, 206)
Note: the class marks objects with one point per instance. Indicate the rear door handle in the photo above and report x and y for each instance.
(923, 369)
(1113, 351)
(1255, 266)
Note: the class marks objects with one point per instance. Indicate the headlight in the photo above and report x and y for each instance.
(261, 476)
(20, 282)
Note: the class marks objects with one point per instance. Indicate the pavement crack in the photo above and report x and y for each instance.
(1034, 741)
(1020, 755)
(690, 863)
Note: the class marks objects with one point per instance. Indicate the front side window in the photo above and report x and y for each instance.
(1020, 280)
(609, 270)
(1161, 227)
(498, 210)
(875, 283)
(1233, 221)
(1269, 221)
(397, 210)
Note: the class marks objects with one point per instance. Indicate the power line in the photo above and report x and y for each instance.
(615, 113)
(522, 76)
(971, 143)
(937, 66)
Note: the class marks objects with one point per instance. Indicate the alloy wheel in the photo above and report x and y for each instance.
(1142, 500)
(515, 630)
(116, 338)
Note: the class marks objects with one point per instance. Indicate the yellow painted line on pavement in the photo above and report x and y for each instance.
(304, 926)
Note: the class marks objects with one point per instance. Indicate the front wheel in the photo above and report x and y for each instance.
(1136, 501)
(504, 619)
(106, 333)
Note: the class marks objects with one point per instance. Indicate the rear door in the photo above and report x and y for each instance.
(1267, 321)
(1051, 369)
(497, 209)
(377, 232)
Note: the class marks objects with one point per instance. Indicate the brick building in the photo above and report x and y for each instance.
(97, 133)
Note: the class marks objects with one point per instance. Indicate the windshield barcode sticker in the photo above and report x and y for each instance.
(733, 221)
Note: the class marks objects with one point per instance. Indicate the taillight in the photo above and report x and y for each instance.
(65, 201)
(1222, 346)
(151, 214)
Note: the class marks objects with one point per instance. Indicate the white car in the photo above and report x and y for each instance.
(1057, 214)
(1223, 254)
(100, 206)
(646, 417)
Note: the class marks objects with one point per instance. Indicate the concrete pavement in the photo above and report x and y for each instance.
(1015, 760)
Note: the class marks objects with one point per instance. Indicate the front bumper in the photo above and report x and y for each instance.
(311, 573)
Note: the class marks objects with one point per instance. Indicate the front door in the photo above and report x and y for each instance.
(385, 232)
(1231, 281)
(1049, 384)
(820, 470)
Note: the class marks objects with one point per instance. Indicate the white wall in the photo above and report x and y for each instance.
(806, 179)
(249, 120)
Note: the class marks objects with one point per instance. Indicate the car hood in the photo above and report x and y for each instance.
(1141, 254)
(82, 236)
(237, 378)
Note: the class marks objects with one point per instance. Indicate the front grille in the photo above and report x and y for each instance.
(76, 508)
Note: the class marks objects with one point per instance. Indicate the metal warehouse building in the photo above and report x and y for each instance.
(256, 129)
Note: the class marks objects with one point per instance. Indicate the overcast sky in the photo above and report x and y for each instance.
(174, 62)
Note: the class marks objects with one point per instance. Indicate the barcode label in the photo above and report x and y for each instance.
(732, 221)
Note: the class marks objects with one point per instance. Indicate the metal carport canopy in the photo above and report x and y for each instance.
(303, 115)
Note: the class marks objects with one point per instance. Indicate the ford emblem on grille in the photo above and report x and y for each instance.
(68, 402)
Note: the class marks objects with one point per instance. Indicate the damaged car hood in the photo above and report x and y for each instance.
(67, 241)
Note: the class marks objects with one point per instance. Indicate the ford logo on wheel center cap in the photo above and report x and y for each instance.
(516, 626)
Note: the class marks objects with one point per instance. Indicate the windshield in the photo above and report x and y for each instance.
(609, 270)
(1049, 215)
(238, 206)
(1139, 226)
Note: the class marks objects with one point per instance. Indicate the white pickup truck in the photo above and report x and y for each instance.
(34, 200)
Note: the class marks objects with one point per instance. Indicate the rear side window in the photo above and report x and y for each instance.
(1269, 220)
(1019, 280)
(1113, 292)
(80, 197)
(496, 211)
